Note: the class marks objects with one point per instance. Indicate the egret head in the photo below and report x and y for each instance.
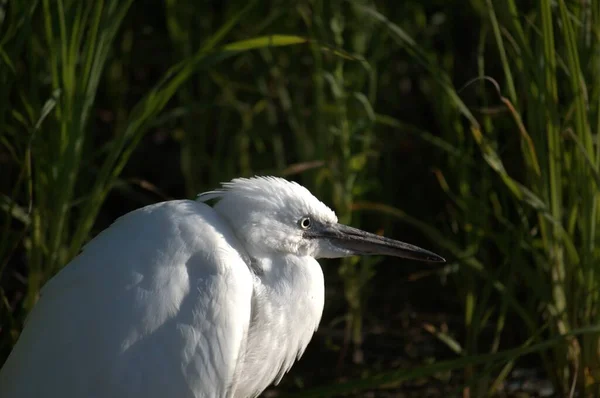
(272, 215)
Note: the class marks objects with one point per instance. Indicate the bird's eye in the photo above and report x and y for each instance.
(305, 223)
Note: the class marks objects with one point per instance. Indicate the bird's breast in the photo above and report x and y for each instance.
(286, 310)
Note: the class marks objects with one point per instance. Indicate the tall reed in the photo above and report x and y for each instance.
(63, 178)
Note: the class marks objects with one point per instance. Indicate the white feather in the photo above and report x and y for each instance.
(140, 315)
(179, 300)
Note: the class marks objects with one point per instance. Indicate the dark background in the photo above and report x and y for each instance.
(365, 111)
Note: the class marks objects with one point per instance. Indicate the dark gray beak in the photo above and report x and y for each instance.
(348, 241)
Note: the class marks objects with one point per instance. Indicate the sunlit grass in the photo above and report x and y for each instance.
(50, 140)
(307, 90)
(544, 221)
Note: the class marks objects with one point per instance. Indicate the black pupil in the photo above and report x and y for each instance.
(306, 222)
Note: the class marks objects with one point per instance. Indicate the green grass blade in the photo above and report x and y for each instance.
(398, 376)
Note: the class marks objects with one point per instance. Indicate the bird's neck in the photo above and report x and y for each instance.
(287, 305)
(288, 283)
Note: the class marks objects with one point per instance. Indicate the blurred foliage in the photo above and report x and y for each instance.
(473, 123)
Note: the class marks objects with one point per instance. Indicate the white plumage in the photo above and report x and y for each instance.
(179, 299)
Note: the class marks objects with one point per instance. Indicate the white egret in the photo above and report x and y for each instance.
(179, 299)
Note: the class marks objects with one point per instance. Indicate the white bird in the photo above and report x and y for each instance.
(179, 299)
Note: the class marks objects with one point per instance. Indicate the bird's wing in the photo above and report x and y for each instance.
(158, 305)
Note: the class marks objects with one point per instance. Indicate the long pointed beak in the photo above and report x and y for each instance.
(354, 241)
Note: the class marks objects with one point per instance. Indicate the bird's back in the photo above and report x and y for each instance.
(157, 305)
